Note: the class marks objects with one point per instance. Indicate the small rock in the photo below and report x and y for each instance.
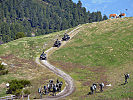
(7, 84)
(108, 85)
(3, 64)
(12, 65)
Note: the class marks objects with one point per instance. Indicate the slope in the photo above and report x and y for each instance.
(20, 56)
(100, 52)
(69, 84)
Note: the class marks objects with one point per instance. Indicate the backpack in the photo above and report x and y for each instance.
(127, 75)
(94, 86)
(102, 84)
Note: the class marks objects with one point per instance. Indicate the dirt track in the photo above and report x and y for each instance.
(69, 88)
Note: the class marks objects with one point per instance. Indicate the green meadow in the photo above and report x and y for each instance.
(20, 56)
(100, 52)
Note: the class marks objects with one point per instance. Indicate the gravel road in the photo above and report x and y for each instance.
(69, 83)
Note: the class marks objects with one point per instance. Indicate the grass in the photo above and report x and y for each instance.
(96, 54)
(20, 56)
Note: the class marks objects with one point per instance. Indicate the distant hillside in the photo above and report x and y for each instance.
(37, 17)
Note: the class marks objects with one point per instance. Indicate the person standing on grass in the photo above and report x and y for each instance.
(126, 77)
(101, 86)
(92, 89)
(95, 86)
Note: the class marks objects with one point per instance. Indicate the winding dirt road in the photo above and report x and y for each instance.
(69, 83)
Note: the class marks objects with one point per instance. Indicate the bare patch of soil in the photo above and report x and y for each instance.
(99, 73)
(68, 67)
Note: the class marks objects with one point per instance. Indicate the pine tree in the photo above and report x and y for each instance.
(105, 17)
(44, 16)
(79, 4)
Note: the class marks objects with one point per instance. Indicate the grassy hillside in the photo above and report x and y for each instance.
(100, 52)
(20, 57)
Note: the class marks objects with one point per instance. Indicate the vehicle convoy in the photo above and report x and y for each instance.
(43, 56)
(57, 43)
(66, 37)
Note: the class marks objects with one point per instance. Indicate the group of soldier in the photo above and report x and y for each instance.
(51, 87)
(101, 85)
(94, 87)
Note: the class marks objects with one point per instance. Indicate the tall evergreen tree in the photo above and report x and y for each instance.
(105, 17)
(41, 16)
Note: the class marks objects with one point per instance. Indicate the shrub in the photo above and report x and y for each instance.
(3, 70)
(26, 92)
(25, 83)
(18, 92)
(16, 86)
(2, 67)
(20, 35)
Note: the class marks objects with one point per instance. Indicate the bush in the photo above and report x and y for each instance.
(20, 35)
(2, 67)
(25, 83)
(16, 86)
(26, 92)
(17, 92)
(3, 72)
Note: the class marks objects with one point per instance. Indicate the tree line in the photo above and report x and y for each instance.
(39, 17)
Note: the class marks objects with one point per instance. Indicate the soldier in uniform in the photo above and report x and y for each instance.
(95, 86)
(126, 77)
(92, 89)
(101, 86)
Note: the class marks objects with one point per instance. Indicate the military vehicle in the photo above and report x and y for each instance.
(57, 43)
(43, 56)
(66, 37)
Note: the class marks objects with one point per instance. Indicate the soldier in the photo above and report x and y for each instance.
(92, 89)
(126, 77)
(50, 81)
(95, 86)
(48, 86)
(101, 86)
(39, 90)
(60, 85)
(54, 90)
(57, 81)
(45, 90)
